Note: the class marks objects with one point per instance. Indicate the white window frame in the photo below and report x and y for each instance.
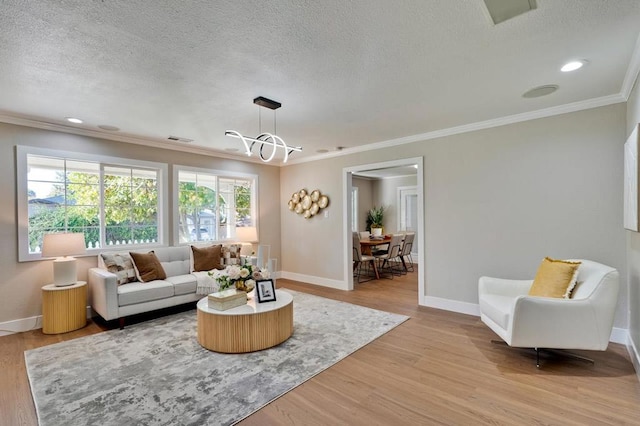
(220, 174)
(354, 209)
(22, 197)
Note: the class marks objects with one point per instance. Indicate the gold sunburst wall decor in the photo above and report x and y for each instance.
(308, 204)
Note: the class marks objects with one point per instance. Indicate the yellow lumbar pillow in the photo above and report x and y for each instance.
(555, 278)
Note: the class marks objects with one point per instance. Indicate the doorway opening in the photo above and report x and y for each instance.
(406, 208)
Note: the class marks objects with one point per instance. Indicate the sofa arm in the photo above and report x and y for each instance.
(104, 293)
(512, 288)
(545, 322)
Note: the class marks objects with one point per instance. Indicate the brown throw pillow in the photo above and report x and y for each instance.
(148, 267)
(121, 265)
(207, 258)
(555, 278)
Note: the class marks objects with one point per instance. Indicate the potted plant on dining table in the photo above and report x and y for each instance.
(375, 220)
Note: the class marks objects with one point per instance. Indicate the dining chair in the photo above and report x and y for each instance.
(360, 260)
(405, 252)
(391, 259)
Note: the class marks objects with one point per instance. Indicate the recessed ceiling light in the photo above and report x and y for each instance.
(108, 127)
(536, 92)
(231, 149)
(74, 120)
(572, 66)
(322, 151)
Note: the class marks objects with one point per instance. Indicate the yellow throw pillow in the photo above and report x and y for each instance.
(555, 278)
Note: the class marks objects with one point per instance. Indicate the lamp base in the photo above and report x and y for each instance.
(65, 271)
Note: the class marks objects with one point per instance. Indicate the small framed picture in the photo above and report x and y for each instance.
(265, 290)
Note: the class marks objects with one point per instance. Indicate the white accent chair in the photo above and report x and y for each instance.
(583, 322)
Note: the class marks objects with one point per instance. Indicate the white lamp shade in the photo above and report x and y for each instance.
(247, 234)
(63, 244)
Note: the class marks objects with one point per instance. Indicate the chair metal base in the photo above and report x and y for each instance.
(558, 352)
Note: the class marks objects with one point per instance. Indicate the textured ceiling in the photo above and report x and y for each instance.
(348, 73)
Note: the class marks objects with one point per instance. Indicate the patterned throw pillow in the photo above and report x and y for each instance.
(231, 254)
(121, 265)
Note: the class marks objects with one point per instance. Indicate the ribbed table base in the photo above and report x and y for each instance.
(245, 333)
(64, 308)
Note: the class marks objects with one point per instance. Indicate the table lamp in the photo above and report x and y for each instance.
(247, 235)
(63, 247)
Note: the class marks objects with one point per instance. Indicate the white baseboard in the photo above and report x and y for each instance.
(452, 305)
(26, 324)
(634, 355)
(618, 335)
(20, 325)
(325, 282)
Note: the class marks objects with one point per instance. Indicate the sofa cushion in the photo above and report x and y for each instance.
(497, 307)
(121, 265)
(148, 267)
(175, 260)
(207, 258)
(555, 278)
(132, 293)
(183, 284)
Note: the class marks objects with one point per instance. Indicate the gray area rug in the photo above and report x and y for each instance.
(156, 373)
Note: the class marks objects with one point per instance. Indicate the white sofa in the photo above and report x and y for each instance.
(112, 301)
(584, 321)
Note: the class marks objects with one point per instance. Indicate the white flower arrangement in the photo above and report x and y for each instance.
(242, 277)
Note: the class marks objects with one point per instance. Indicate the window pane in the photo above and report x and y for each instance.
(237, 208)
(131, 205)
(61, 194)
(196, 206)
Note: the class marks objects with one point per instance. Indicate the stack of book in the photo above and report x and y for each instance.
(227, 299)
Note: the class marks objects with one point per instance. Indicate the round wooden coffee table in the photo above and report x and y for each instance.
(247, 328)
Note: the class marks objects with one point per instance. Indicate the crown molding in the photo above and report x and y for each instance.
(632, 72)
(122, 137)
(633, 69)
(472, 127)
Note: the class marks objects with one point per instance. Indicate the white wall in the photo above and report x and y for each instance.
(496, 202)
(386, 194)
(633, 240)
(20, 283)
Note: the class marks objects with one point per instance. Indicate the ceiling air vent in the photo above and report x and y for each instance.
(502, 10)
(179, 139)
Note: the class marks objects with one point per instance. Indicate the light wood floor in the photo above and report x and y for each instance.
(438, 367)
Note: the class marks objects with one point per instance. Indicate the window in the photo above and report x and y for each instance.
(111, 201)
(212, 204)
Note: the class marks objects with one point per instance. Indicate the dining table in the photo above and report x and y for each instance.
(366, 247)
